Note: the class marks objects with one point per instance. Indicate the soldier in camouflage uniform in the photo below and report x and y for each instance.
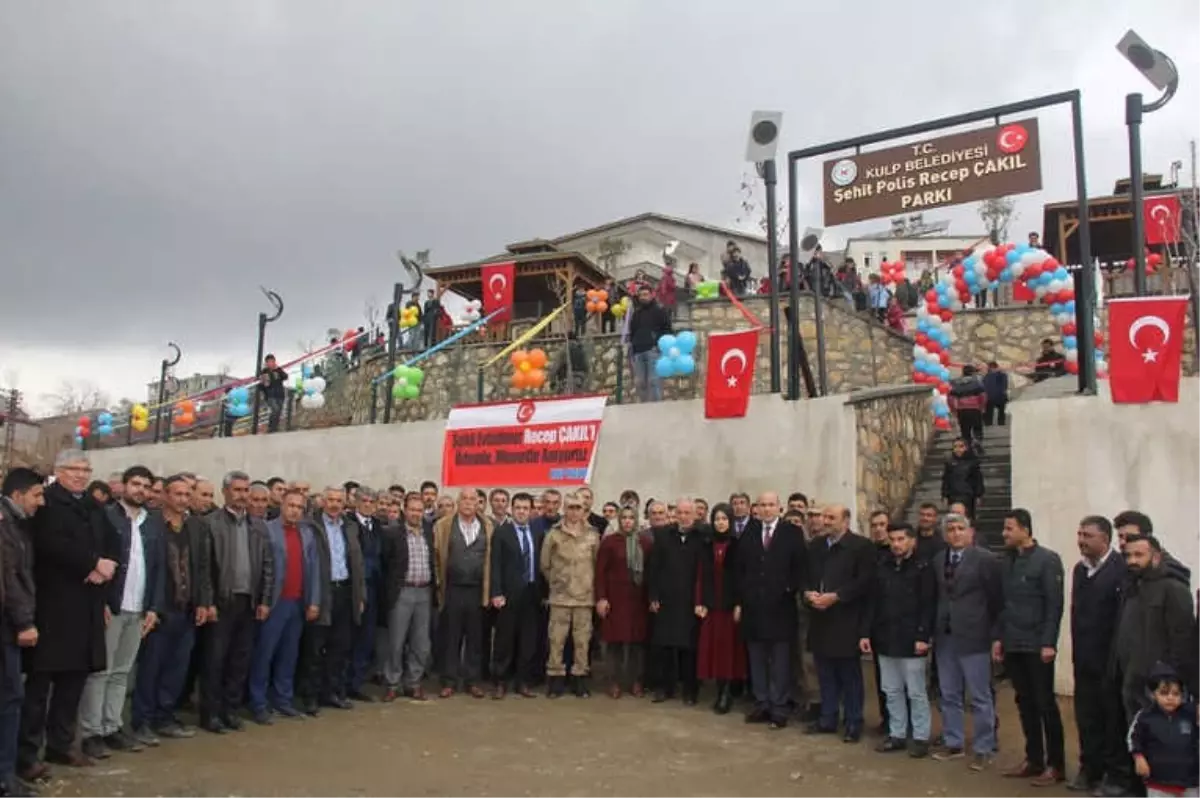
(569, 565)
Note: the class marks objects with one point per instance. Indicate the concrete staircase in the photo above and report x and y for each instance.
(996, 464)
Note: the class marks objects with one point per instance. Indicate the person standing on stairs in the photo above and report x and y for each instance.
(968, 399)
(962, 478)
(995, 384)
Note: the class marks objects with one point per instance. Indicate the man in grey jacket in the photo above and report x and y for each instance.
(970, 599)
(1029, 625)
(242, 584)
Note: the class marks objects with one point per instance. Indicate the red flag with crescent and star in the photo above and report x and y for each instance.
(498, 279)
(1161, 217)
(729, 375)
(1145, 337)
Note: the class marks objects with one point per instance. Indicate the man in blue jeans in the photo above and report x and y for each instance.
(647, 323)
(22, 495)
(969, 603)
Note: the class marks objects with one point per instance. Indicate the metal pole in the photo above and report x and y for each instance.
(819, 317)
(263, 321)
(393, 335)
(162, 392)
(770, 179)
(793, 321)
(1085, 297)
(1133, 121)
(1190, 265)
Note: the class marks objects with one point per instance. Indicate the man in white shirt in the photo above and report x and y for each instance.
(134, 598)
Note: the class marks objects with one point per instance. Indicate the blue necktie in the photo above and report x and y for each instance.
(525, 550)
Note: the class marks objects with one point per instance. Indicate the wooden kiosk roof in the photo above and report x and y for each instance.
(1110, 219)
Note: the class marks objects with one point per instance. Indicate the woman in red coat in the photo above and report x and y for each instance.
(722, 655)
(621, 601)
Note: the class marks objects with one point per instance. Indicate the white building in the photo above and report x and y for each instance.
(186, 386)
(623, 247)
(921, 246)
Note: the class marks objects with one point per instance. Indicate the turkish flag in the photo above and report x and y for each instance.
(498, 279)
(729, 375)
(1145, 336)
(1162, 216)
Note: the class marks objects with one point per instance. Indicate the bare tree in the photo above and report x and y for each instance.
(372, 312)
(997, 214)
(753, 203)
(611, 250)
(76, 397)
(308, 345)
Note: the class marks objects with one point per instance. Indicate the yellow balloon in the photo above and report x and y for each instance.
(525, 365)
(140, 424)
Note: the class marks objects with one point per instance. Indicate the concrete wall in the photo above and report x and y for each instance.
(1078, 456)
(663, 450)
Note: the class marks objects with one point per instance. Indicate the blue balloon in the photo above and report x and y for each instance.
(104, 419)
(1022, 248)
(239, 395)
(667, 342)
(1099, 354)
(105, 429)
(941, 411)
(306, 370)
(1069, 307)
(79, 440)
(665, 367)
(310, 389)
(1006, 274)
(1056, 308)
(1061, 274)
(1011, 257)
(685, 342)
(684, 365)
(238, 409)
(1070, 342)
(969, 263)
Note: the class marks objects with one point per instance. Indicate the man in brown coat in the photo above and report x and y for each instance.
(462, 553)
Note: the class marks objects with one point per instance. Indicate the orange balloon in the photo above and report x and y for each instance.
(185, 406)
(537, 358)
(525, 366)
(518, 357)
(536, 378)
(602, 295)
(601, 306)
(519, 380)
(185, 419)
(591, 295)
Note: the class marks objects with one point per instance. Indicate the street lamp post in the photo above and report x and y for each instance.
(1159, 69)
(263, 321)
(162, 391)
(413, 269)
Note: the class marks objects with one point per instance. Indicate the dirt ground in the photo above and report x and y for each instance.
(571, 746)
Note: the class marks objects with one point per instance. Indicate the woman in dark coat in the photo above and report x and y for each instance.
(677, 560)
(621, 601)
(722, 654)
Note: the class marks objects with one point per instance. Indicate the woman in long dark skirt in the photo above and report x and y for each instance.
(721, 655)
(621, 602)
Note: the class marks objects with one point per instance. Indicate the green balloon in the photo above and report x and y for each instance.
(411, 391)
(398, 372)
(398, 391)
(415, 375)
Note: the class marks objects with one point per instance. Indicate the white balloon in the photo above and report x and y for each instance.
(1072, 355)
(317, 401)
(980, 267)
(1041, 291)
(1017, 269)
(918, 352)
(316, 383)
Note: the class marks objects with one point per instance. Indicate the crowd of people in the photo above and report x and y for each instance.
(283, 602)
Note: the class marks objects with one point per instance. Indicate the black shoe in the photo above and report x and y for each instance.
(919, 749)
(120, 741)
(724, 701)
(1081, 783)
(94, 748)
(288, 712)
(1110, 789)
(232, 722)
(812, 713)
(213, 726)
(174, 731)
(360, 697)
(17, 789)
(777, 723)
(889, 745)
(555, 686)
(337, 702)
(817, 728)
(144, 736)
(262, 717)
(758, 715)
(660, 697)
(852, 735)
(581, 687)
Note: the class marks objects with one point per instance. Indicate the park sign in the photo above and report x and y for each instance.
(949, 170)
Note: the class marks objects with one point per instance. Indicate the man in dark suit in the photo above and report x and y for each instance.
(75, 556)
(768, 571)
(370, 541)
(970, 599)
(326, 643)
(841, 575)
(516, 593)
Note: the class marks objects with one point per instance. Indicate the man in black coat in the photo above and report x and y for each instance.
(841, 573)
(20, 498)
(768, 572)
(516, 589)
(1096, 587)
(75, 556)
(677, 560)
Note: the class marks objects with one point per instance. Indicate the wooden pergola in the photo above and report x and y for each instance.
(545, 278)
(1109, 218)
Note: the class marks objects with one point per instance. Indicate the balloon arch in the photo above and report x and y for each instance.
(978, 271)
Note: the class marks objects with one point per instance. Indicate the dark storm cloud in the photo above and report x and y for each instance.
(158, 162)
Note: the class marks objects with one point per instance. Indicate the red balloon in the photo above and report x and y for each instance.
(1050, 264)
(931, 296)
(84, 421)
(944, 357)
(957, 271)
(1099, 339)
(1072, 367)
(946, 315)
(1068, 328)
(942, 423)
(932, 307)
(943, 387)
(933, 346)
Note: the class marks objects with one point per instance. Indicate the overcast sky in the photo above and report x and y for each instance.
(159, 161)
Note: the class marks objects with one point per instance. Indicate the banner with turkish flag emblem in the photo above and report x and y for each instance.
(729, 375)
(1145, 339)
(498, 279)
(1161, 217)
